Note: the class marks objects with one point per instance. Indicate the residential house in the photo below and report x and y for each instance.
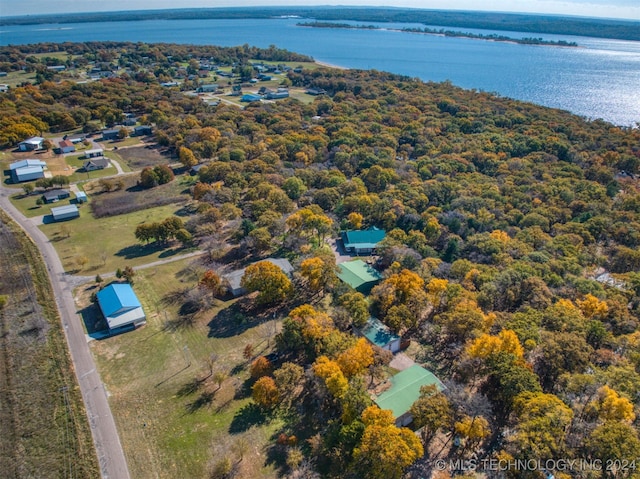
(380, 335)
(31, 144)
(66, 146)
(110, 135)
(95, 153)
(362, 242)
(99, 163)
(315, 91)
(276, 95)
(120, 306)
(142, 130)
(234, 278)
(52, 196)
(359, 275)
(209, 88)
(66, 212)
(404, 391)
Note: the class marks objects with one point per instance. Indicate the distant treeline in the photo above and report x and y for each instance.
(540, 24)
(447, 33)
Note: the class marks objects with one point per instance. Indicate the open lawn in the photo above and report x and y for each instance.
(28, 207)
(44, 431)
(13, 79)
(108, 243)
(174, 419)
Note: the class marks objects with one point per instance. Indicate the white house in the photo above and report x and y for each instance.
(66, 212)
(31, 144)
(120, 306)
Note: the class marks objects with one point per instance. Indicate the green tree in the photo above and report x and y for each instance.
(269, 280)
(357, 307)
(431, 412)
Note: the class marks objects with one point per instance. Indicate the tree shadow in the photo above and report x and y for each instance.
(205, 399)
(247, 416)
(190, 387)
(138, 250)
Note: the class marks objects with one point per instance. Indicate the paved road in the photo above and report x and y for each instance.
(113, 464)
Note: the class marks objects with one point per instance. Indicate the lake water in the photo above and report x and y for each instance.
(600, 79)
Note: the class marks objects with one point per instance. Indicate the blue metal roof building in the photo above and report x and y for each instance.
(120, 306)
(362, 241)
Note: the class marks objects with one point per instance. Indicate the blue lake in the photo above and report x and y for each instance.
(600, 79)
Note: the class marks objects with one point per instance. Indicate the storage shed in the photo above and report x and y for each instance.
(66, 212)
(380, 335)
(120, 306)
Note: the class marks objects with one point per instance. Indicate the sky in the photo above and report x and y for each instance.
(628, 9)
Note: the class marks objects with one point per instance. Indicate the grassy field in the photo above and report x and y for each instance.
(108, 243)
(44, 430)
(172, 421)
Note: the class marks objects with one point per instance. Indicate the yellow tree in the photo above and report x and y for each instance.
(356, 359)
(487, 345)
(319, 273)
(610, 406)
(265, 392)
(355, 220)
(186, 156)
(267, 278)
(473, 430)
(211, 281)
(385, 450)
(592, 307)
(329, 371)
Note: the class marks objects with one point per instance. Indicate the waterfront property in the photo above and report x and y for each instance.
(234, 278)
(120, 306)
(362, 242)
(359, 275)
(380, 335)
(67, 212)
(404, 391)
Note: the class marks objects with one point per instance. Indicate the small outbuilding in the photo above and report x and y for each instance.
(52, 196)
(404, 391)
(380, 335)
(67, 212)
(142, 130)
(120, 306)
(234, 278)
(362, 242)
(81, 197)
(359, 275)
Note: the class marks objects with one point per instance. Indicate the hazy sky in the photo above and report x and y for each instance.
(593, 8)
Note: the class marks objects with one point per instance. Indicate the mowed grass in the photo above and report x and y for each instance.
(28, 207)
(108, 243)
(172, 423)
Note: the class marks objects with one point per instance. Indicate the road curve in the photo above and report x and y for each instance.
(113, 464)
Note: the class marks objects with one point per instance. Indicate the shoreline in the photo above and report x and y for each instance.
(329, 65)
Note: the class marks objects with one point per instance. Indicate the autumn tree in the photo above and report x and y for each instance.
(269, 280)
(265, 392)
(211, 281)
(260, 367)
(356, 306)
(385, 450)
(431, 412)
(334, 379)
(319, 273)
(356, 359)
(186, 157)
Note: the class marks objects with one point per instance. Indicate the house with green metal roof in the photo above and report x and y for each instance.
(361, 242)
(359, 275)
(380, 335)
(404, 391)
(120, 306)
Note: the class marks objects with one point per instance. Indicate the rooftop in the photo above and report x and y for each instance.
(117, 298)
(405, 389)
(363, 239)
(61, 210)
(377, 333)
(358, 273)
(27, 163)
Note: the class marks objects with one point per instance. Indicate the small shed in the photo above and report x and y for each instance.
(52, 196)
(359, 275)
(66, 212)
(120, 306)
(404, 391)
(362, 241)
(380, 335)
(235, 277)
(95, 153)
(81, 197)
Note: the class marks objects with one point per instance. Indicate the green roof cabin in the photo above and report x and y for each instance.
(362, 242)
(404, 391)
(380, 335)
(359, 275)
(120, 306)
